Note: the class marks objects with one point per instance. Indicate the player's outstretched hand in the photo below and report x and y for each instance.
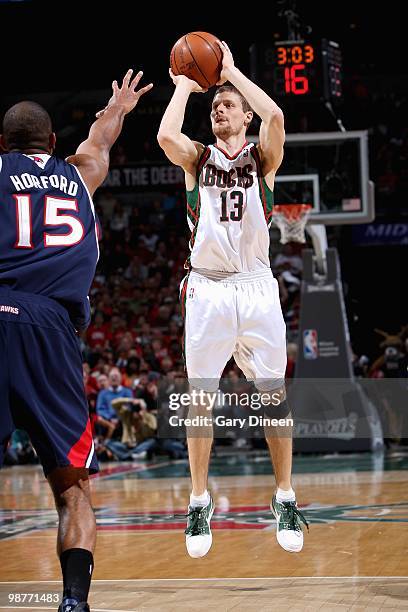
(179, 78)
(227, 62)
(126, 96)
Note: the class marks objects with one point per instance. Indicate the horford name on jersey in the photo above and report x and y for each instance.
(29, 181)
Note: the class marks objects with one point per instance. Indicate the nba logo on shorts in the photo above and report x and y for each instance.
(310, 349)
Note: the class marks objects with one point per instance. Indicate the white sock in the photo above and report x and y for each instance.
(200, 500)
(283, 496)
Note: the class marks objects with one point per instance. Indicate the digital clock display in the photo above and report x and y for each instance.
(296, 54)
(300, 68)
(294, 71)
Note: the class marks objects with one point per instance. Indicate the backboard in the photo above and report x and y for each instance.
(330, 171)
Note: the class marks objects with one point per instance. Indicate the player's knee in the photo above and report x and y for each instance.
(75, 503)
(275, 404)
(281, 411)
(69, 484)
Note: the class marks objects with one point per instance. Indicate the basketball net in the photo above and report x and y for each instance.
(291, 220)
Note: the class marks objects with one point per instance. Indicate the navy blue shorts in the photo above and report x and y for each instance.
(41, 382)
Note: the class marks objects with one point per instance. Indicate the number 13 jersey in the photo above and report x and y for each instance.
(229, 212)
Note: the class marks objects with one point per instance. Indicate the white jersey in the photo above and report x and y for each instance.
(229, 212)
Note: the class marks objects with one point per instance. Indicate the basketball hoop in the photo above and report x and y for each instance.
(291, 220)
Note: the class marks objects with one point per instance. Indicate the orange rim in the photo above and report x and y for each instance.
(292, 211)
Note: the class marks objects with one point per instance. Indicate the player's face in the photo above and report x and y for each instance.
(227, 115)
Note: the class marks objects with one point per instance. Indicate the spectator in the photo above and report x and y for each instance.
(102, 382)
(145, 425)
(131, 376)
(360, 365)
(136, 271)
(157, 216)
(119, 223)
(287, 260)
(107, 415)
(108, 203)
(20, 450)
(98, 334)
(149, 238)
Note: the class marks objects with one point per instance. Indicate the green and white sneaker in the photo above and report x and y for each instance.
(288, 527)
(198, 531)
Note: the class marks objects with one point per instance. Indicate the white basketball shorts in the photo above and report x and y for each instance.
(239, 316)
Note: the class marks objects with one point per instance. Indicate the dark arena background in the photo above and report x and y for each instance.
(339, 74)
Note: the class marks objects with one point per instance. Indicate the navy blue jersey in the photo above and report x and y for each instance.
(48, 237)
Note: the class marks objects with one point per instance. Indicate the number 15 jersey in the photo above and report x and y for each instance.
(48, 238)
(229, 212)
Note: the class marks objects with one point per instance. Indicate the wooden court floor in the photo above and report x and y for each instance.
(355, 556)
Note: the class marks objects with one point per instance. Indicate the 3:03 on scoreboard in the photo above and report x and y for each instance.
(299, 69)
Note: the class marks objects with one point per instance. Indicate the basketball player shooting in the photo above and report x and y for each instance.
(48, 255)
(231, 299)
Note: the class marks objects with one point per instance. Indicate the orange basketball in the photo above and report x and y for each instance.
(197, 56)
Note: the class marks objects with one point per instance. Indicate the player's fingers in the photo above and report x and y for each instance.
(145, 89)
(136, 80)
(126, 78)
(115, 86)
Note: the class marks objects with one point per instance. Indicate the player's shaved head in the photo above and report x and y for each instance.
(27, 125)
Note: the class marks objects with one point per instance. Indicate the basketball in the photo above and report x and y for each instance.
(197, 56)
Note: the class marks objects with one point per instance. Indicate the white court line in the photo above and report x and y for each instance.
(205, 579)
